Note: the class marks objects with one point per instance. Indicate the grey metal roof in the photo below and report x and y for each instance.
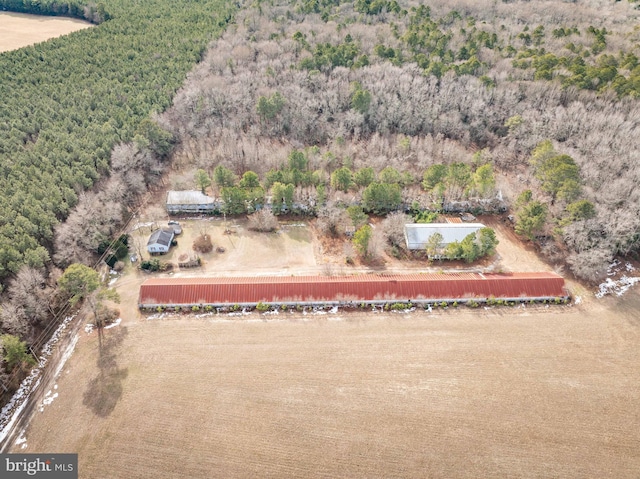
(188, 197)
(417, 234)
(162, 236)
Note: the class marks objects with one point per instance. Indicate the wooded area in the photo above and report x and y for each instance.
(68, 101)
(65, 104)
(322, 76)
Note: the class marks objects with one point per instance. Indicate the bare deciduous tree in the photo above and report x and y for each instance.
(332, 220)
(392, 228)
(29, 292)
(263, 220)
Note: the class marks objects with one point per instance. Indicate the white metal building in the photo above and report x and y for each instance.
(417, 234)
(189, 201)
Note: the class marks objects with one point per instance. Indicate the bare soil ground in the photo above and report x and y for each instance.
(245, 253)
(18, 30)
(491, 393)
(298, 250)
(535, 392)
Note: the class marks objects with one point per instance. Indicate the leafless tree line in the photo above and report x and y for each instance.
(413, 120)
(97, 216)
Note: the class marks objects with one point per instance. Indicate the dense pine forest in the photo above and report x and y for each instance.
(68, 101)
(427, 106)
(65, 104)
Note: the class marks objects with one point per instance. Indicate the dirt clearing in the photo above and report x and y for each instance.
(18, 30)
(500, 393)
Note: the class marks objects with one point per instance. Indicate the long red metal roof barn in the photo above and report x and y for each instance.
(357, 288)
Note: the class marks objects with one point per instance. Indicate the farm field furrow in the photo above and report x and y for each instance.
(486, 393)
(18, 30)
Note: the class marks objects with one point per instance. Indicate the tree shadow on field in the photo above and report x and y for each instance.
(104, 391)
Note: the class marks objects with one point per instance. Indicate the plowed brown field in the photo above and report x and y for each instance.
(545, 392)
(18, 30)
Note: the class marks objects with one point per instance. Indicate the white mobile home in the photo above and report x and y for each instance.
(417, 234)
(160, 241)
(189, 201)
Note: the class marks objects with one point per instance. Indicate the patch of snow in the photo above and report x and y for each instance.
(67, 354)
(244, 312)
(12, 410)
(114, 324)
(48, 399)
(22, 441)
(88, 328)
(141, 225)
(334, 310)
(613, 268)
(578, 300)
(404, 311)
(113, 280)
(617, 287)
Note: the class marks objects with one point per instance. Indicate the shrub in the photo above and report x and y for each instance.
(262, 306)
(203, 244)
(164, 266)
(400, 306)
(150, 265)
(263, 220)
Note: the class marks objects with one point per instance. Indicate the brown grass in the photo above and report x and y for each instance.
(536, 392)
(18, 30)
(540, 393)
